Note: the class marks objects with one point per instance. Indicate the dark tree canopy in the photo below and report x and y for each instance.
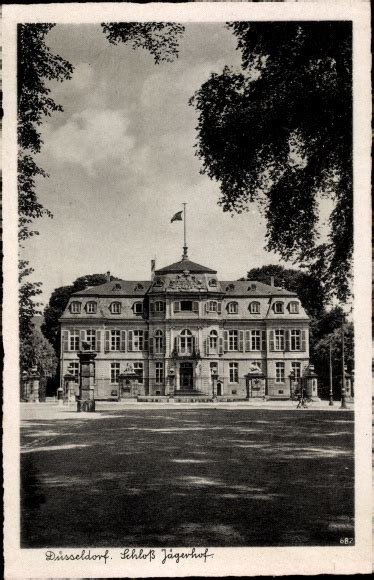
(279, 133)
(161, 39)
(307, 287)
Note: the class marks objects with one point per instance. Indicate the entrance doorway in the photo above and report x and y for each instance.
(186, 376)
(219, 390)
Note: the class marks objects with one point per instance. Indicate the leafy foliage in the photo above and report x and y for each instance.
(308, 287)
(279, 133)
(159, 38)
(38, 351)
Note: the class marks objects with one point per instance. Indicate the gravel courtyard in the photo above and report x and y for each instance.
(186, 476)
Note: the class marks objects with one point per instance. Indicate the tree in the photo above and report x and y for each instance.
(279, 133)
(307, 286)
(58, 302)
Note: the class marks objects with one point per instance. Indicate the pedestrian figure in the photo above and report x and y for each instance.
(301, 404)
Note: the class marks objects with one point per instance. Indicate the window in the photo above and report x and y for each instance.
(114, 372)
(296, 370)
(295, 343)
(73, 369)
(254, 308)
(159, 372)
(75, 307)
(234, 372)
(233, 340)
(212, 306)
(137, 340)
(185, 342)
(159, 341)
(115, 308)
(138, 307)
(278, 307)
(115, 340)
(294, 307)
(74, 340)
(212, 282)
(91, 338)
(138, 368)
(256, 340)
(91, 307)
(213, 368)
(186, 305)
(213, 340)
(159, 306)
(279, 372)
(232, 308)
(279, 340)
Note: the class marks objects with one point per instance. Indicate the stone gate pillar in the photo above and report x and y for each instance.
(69, 388)
(86, 398)
(34, 385)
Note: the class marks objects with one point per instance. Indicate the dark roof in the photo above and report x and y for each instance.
(117, 288)
(252, 287)
(183, 265)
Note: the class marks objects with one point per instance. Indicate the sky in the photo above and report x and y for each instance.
(121, 162)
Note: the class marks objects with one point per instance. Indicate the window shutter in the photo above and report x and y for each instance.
(152, 306)
(65, 340)
(195, 306)
(177, 306)
(206, 307)
(303, 340)
(263, 340)
(247, 340)
(145, 340)
(225, 341)
(123, 340)
(207, 346)
(220, 345)
(241, 341)
(82, 337)
(271, 335)
(287, 340)
(98, 341)
(176, 344)
(129, 344)
(219, 308)
(107, 341)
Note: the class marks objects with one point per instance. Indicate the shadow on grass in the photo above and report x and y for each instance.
(189, 477)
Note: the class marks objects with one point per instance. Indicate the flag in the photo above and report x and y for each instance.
(177, 216)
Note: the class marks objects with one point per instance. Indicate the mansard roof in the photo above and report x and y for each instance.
(185, 264)
(117, 288)
(252, 288)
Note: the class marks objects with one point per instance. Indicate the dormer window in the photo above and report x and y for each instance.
(278, 307)
(294, 308)
(139, 286)
(254, 308)
(138, 308)
(212, 282)
(232, 308)
(91, 307)
(252, 286)
(116, 286)
(75, 307)
(115, 308)
(230, 287)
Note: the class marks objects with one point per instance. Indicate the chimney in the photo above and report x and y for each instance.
(108, 276)
(271, 280)
(153, 267)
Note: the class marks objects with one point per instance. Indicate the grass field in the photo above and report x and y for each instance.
(188, 477)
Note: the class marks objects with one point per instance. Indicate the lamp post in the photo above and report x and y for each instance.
(214, 375)
(344, 404)
(331, 394)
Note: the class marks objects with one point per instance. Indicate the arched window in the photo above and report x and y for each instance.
(232, 308)
(115, 308)
(278, 307)
(159, 341)
(254, 308)
(138, 307)
(213, 340)
(75, 307)
(294, 307)
(91, 307)
(185, 342)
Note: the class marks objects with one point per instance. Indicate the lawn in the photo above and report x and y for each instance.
(188, 477)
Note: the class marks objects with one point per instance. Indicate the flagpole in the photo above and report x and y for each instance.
(185, 229)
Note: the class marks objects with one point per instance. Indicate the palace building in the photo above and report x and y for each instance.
(187, 333)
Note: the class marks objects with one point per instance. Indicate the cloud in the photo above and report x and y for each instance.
(92, 138)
